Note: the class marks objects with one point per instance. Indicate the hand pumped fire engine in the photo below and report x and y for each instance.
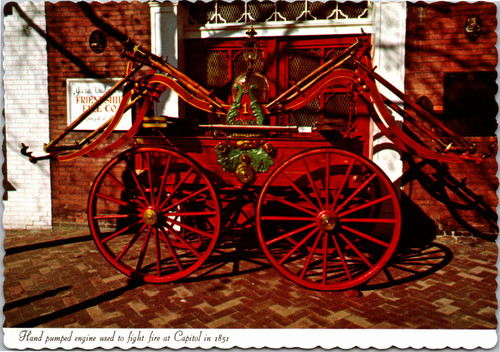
(326, 216)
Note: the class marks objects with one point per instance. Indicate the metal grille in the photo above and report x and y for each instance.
(240, 65)
(291, 11)
(201, 12)
(332, 52)
(216, 119)
(215, 74)
(301, 63)
(307, 115)
(332, 103)
(232, 11)
(261, 11)
(354, 9)
(221, 12)
(338, 105)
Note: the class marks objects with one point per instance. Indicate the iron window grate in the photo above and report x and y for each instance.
(222, 12)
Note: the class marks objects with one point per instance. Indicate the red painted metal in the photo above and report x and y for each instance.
(154, 214)
(146, 105)
(107, 128)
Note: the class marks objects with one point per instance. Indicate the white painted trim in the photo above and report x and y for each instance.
(167, 23)
(389, 57)
(26, 112)
(285, 28)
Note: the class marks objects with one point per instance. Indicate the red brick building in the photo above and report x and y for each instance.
(424, 49)
(454, 71)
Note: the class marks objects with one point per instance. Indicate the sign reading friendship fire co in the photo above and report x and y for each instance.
(83, 93)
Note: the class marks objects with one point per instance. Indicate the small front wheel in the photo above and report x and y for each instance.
(154, 214)
(328, 219)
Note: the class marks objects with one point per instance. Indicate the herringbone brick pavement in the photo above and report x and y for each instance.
(60, 279)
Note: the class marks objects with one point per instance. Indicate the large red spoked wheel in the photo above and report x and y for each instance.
(328, 219)
(154, 214)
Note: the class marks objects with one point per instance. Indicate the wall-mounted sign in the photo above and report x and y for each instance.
(82, 93)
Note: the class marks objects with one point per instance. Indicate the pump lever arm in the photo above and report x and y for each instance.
(33, 159)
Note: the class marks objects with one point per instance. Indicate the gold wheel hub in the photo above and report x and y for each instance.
(327, 221)
(150, 217)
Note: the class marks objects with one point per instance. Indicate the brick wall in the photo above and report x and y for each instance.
(436, 44)
(26, 112)
(69, 26)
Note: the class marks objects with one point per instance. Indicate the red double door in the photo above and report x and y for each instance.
(215, 63)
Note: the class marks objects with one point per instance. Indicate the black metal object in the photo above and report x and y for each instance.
(98, 41)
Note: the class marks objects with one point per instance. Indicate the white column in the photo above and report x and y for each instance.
(389, 57)
(26, 118)
(167, 20)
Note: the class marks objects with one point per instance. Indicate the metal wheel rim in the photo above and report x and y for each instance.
(312, 237)
(166, 226)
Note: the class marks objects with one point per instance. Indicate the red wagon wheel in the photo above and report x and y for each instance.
(328, 219)
(154, 214)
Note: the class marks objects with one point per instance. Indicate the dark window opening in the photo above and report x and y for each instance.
(469, 102)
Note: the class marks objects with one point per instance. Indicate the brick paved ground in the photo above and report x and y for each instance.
(59, 279)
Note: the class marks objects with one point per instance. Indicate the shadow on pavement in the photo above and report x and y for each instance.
(47, 244)
(132, 284)
(28, 300)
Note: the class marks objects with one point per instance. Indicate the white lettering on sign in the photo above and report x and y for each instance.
(83, 93)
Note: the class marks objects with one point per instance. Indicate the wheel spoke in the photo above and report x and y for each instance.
(293, 205)
(157, 252)
(190, 228)
(369, 220)
(150, 178)
(364, 206)
(297, 246)
(342, 258)
(287, 218)
(325, 256)
(117, 201)
(359, 189)
(172, 250)
(327, 181)
(185, 199)
(310, 255)
(163, 179)
(299, 191)
(365, 236)
(313, 185)
(136, 180)
(291, 233)
(118, 233)
(122, 187)
(143, 250)
(119, 184)
(356, 250)
(343, 183)
(191, 213)
(130, 244)
(179, 237)
(116, 216)
(181, 182)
